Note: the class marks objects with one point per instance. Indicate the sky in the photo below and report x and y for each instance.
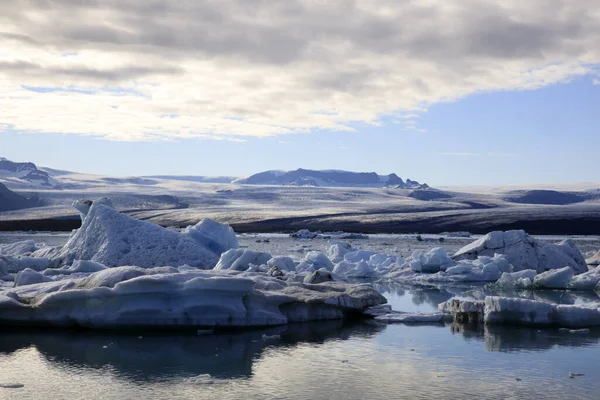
(449, 93)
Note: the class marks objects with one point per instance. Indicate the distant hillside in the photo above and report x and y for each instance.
(26, 172)
(192, 178)
(10, 200)
(545, 197)
(328, 178)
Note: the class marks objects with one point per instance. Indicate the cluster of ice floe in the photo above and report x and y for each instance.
(525, 252)
(117, 271)
(307, 234)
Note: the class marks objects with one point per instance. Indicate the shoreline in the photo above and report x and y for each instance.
(433, 225)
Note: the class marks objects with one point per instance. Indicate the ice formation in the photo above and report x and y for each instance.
(562, 278)
(496, 310)
(307, 234)
(434, 260)
(525, 252)
(241, 260)
(136, 297)
(313, 261)
(114, 239)
(594, 260)
(554, 279)
(504, 310)
(483, 269)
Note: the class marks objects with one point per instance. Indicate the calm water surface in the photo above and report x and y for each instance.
(327, 360)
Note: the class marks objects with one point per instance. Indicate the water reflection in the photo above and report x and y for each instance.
(162, 356)
(507, 339)
(408, 297)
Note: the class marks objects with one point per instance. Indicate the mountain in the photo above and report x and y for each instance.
(10, 200)
(327, 178)
(26, 172)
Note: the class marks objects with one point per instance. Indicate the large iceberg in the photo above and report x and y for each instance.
(136, 297)
(114, 239)
(525, 252)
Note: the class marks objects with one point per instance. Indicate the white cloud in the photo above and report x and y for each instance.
(596, 82)
(231, 69)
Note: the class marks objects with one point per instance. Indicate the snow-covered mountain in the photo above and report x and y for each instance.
(25, 172)
(328, 178)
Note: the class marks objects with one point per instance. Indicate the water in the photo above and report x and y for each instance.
(325, 360)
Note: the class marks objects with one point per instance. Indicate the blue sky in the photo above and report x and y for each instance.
(510, 137)
(507, 96)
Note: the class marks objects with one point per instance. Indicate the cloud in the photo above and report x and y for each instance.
(237, 68)
(458, 154)
(596, 82)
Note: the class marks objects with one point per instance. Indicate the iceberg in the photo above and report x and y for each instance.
(413, 318)
(241, 260)
(524, 252)
(18, 248)
(314, 261)
(554, 279)
(434, 260)
(282, 263)
(504, 310)
(114, 239)
(135, 297)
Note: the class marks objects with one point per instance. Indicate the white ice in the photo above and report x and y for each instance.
(525, 252)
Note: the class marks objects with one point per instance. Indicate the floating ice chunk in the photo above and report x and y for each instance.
(554, 279)
(212, 235)
(319, 276)
(524, 252)
(464, 311)
(511, 281)
(313, 261)
(504, 310)
(29, 277)
(593, 260)
(360, 269)
(240, 260)
(136, 297)
(304, 234)
(283, 263)
(359, 255)
(13, 265)
(18, 248)
(434, 260)
(586, 281)
(337, 251)
(417, 317)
